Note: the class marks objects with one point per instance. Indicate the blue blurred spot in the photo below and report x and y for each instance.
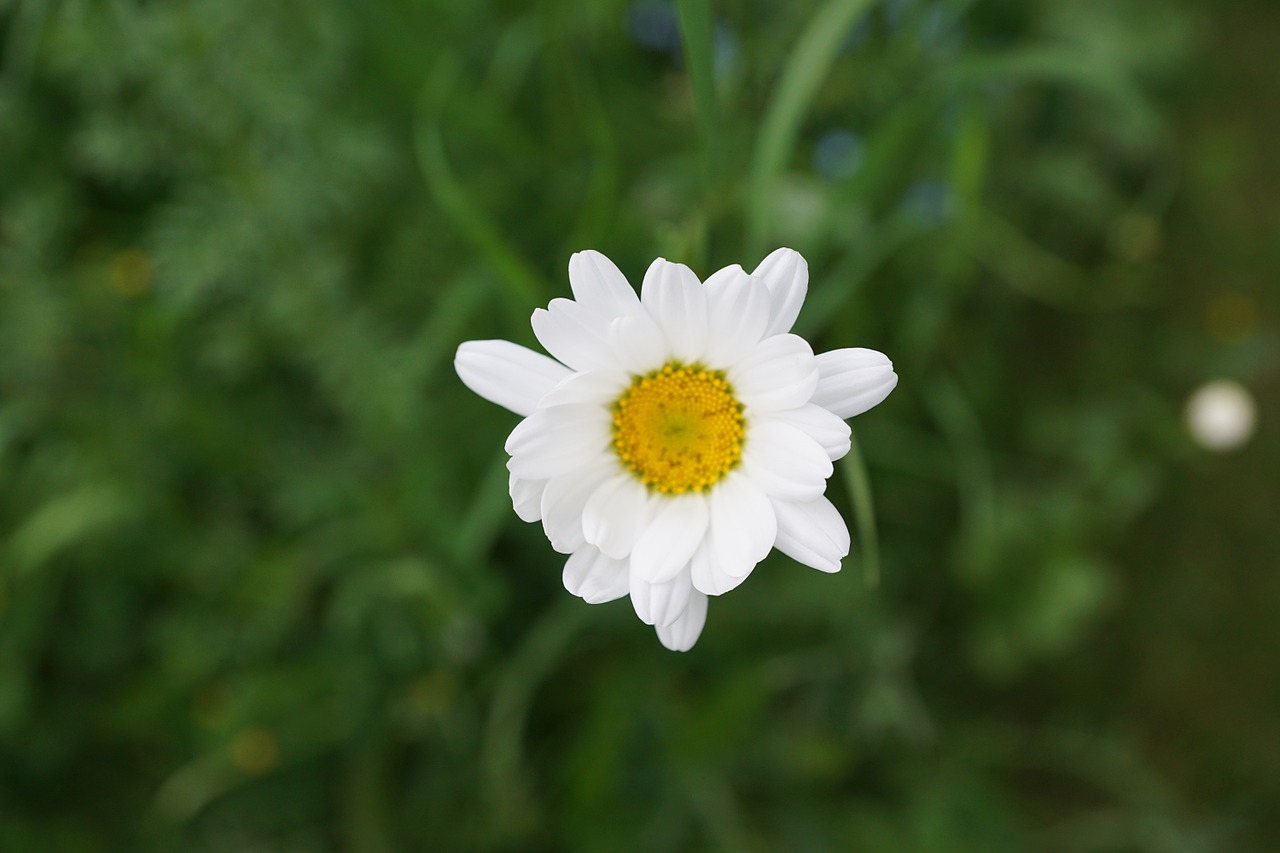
(895, 13)
(654, 25)
(940, 32)
(838, 153)
(857, 36)
(727, 50)
(930, 200)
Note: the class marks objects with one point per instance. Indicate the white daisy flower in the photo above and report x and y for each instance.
(678, 436)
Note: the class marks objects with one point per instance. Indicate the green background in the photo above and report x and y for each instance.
(261, 588)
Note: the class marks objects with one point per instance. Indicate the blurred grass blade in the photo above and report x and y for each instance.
(1074, 70)
(829, 298)
(65, 521)
(697, 36)
(814, 53)
(536, 657)
(967, 171)
(462, 300)
(1043, 275)
(481, 523)
(520, 279)
(975, 477)
(586, 114)
(22, 47)
(864, 510)
(364, 818)
(713, 800)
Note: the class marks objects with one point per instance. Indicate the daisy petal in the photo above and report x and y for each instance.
(558, 440)
(615, 515)
(675, 298)
(786, 274)
(743, 525)
(665, 547)
(816, 422)
(594, 387)
(705, 571)
(526, 497)
(595, 578)
(778, 373)
(508, 374)
(599, 284)
(574, 334)
(812, 533)
(562, 503)
(638, 343)
(660, 603)
(853, 380)
(784, 462)
(681, 634)
(738, 312)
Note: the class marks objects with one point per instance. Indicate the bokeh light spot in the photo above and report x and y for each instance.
(1221, 415)
(255, 751)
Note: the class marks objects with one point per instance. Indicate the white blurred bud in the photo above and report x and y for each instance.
(1221, 415)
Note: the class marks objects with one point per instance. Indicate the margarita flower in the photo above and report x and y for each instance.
(676, 437)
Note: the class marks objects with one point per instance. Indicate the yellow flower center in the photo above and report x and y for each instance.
(678, 429)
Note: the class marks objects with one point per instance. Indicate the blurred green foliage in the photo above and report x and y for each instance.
(260, 584)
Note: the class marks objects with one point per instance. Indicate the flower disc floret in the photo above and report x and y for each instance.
(679, 429)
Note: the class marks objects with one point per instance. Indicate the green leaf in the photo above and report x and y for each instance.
(698, 39)
(810, 61)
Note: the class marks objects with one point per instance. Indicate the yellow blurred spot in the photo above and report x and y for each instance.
(255, 751)
(210, 704)
(1231, 318)
(1135, 237)
(130, 273)
(433, 693)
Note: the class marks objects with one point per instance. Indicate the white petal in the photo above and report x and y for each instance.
(743, 525)
(660, 603)
(575, 334)
(738, 312)
(508, 374)
(784, 462)
(853, 380)
(812, 533)
(675, 298)
(778, 373)
(708, 577)
(594, 388)
(786, 274)
(526, 497)
(638, 343)
(681, 634)
(563, 501)
(599, 284)
(555, 441)
(678, 527)
(616, 514)
(595, 578)
(819, 424)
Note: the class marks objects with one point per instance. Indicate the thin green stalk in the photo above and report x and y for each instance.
(698, 39)
(534, 660)
(864, 510)
(810, 61)
(480, 525)
(523, 282)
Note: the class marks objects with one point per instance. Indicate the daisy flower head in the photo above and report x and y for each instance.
(673, 438)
